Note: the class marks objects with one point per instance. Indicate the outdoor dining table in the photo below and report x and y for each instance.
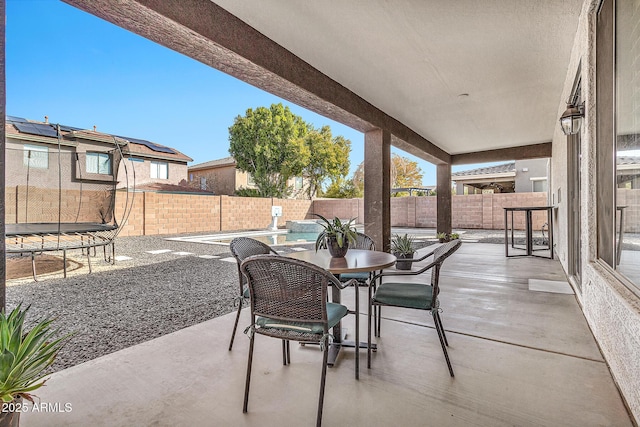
(529, 247)
(355, 261)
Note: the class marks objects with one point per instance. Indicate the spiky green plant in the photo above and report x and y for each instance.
(402, 244)
(25, 355)
(342, 231)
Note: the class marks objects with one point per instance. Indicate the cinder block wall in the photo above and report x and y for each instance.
(630, 199)
(169, 213)
(341, 208)
(31, 204)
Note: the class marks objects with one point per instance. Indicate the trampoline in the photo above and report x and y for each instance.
(63, 197)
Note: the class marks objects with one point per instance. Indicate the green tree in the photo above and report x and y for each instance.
(358, 179)
(328, 158)
(269, 144)
(342, 189)
(404, 172)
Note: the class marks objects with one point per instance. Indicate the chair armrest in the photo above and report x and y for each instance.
(403, 273)
(343, 285)
(418, 259)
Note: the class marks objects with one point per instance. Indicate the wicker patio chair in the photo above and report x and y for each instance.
(362, 242)
(289, 301)
(421, 296)
(242, 248)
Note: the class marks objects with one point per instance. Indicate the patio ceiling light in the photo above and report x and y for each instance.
(571, 119)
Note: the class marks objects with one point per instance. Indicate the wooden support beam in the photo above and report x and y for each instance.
(524, 152)
(210, 34)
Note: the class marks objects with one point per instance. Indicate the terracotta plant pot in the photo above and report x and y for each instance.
(335, 250)
(403, 265)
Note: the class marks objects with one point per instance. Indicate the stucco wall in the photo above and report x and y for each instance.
(535, 168)
(611, 309)
(176, 173)
(220, 180)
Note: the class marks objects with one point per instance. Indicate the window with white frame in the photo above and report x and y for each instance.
(36, 156)
(160, 170)
(99, 163)
(539, 185)
(299, 182)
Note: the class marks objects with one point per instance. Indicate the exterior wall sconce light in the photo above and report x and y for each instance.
(571, 119)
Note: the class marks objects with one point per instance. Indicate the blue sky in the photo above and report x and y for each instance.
(82, 71)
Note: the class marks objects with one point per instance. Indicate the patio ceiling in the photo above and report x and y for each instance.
(446, 78)
(414, 60)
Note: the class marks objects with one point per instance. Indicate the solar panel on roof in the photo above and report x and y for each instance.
(36, 129)
(66, 128)
(150, 145)
(15, 119)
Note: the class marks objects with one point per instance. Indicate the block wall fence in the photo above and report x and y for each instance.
(167, 213)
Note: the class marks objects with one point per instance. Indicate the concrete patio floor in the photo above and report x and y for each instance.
(521, 357)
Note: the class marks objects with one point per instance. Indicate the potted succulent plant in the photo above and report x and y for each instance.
(25, 355)
(336, 236)
(443, 237)
(402, 248)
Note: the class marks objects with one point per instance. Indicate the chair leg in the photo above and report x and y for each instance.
(369, 315)
(323, 379)
(286, 353)
(357, 290)
(376, 309)
(442, 344)
(235, 326)
(246, 387)
(442, 328)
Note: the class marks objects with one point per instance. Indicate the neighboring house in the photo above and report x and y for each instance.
(412, 191)
(521, 176)
(224, 178)
(628, 172)
(88, 155)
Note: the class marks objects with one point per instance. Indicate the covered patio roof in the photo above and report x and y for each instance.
(445, 78)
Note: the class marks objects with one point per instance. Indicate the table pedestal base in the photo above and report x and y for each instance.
(335, 347)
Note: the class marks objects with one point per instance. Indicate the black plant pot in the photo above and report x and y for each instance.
(403, 265)
(335, 250)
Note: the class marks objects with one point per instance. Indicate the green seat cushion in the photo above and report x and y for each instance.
(360, 277)
(335, 312)
(246, 293)
(410, 295)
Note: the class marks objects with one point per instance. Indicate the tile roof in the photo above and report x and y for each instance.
(490, 170)
(214, 163)
(628, 160)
